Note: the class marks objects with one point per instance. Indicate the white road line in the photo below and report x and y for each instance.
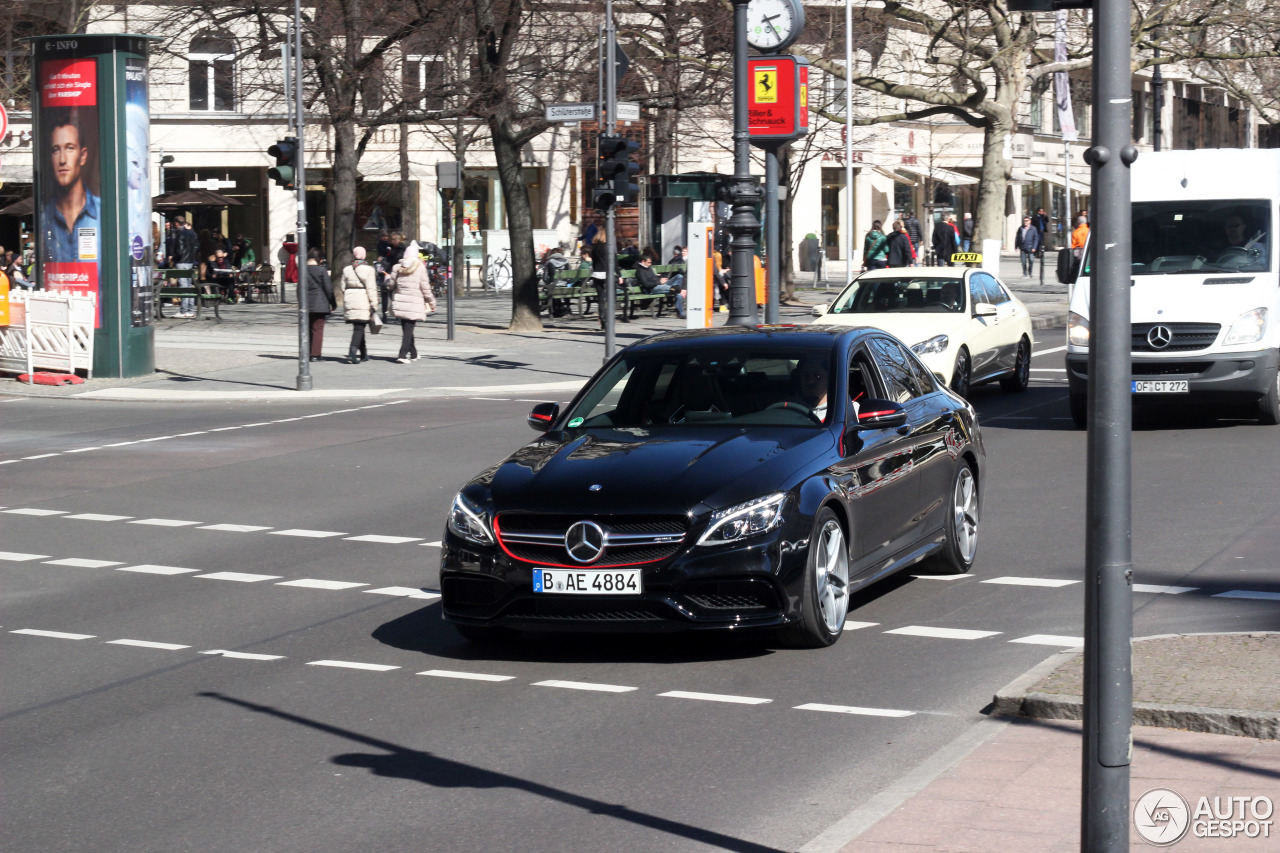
(221, 429)
(312, 534)
(942, 633)
(148, 569)
(234, 528)
(241, 577)
(81, 563)
(850, 625)
(1248, 593)
(28, 511)
(469, 676)
(1047, 351)
(432, 544)
(490, 399)
(404, 592)
(186, 434)
(853, 709)
(585, 685)
(715, 697)
(147, 644)
(1048, 369)
(242, 655)
(1050, 640)
(1165, 590)
(1014, 581)
(56, 635)
(347, 664)
(97, 516)
(312, 583)
(942, 577)
(41, 456)
(82, 450)
(18, 557)
(386, 540)
(165, 522)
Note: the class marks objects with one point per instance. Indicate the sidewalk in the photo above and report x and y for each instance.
(1015, 784)
(252, 354)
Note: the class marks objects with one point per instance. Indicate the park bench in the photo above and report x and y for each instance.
(575, 287)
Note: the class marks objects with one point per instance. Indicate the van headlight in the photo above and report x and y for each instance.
(1077, 330)
(932, 346)
(1248, 328)
(470, 522)
(744, 520)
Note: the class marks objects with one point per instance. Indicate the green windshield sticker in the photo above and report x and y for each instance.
(576, 422)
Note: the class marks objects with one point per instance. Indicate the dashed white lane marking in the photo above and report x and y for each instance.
(1050, 582)
(942, 633)
(56, 635)
(585, 685)
(81, 563)
(1165, 590)
(851, 625)
(311, 534)
(1048, 351)
(404, 592)
(1047, 369)
(147, 644)
(242, 655)
(386, 540)
(18, 557)
(241, 577)
(854, 709)
(1050, 640)
(468, 676)
(164, 522)
(349, 664)
(942, 577)
(234, 528)
(312, 583)
(40, 456)
(1245, 593)
(715, 697)
(148, 569)
(97, 516)
(30, 511)
(219, 429)
(432, 544)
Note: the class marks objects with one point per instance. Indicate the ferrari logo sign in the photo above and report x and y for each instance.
(766, 84)
(777, 99)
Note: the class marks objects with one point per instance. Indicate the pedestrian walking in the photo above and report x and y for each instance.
(288, 258)
(966, 231)
(1027, 242)
(185, 256)
(946, 241)
(320, 299)
(915, 231)
(412, 299)
(1080, 235)
(898, 246)
(875, 249)
(360, 300)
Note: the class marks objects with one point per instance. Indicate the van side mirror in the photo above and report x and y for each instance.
(543, 415)
(880, 414)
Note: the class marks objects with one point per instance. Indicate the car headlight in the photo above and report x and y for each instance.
(1077, 330)
(1248, 328)
(470, 522)
(744, 520)
(933, 345)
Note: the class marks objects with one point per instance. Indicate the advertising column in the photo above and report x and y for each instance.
(93, 188)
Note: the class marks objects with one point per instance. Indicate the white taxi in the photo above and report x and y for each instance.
(963, 323)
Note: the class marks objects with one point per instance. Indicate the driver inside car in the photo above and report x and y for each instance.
(812, 377)
(1240, 244)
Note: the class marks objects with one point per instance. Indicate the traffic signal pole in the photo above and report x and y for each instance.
(300, 185)
(610, 218)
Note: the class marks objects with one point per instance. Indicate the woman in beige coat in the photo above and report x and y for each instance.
(359, 295)
(412, 299)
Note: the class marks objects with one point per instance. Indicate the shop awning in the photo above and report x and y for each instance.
(1059, 181)
(889, 173)
(955, 179)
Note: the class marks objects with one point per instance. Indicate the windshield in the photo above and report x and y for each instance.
(772, 387)
(905, 295)
(1201, 236)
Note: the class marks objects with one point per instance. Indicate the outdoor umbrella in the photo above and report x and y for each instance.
(184, 199)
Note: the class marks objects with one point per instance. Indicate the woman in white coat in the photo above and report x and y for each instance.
(412, 299)
(359, 295)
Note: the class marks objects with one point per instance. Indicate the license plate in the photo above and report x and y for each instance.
(1160, 386)
(587, 581)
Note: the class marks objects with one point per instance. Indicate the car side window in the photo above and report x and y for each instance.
(995, 294)
(924, 378)
(977, 293)
(901, 383)
(862, 377)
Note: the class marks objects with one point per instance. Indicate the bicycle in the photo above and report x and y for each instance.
(497, 272)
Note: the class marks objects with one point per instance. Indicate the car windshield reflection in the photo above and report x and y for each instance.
(906, 295)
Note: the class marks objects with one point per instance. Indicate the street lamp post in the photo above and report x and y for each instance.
(744, 192)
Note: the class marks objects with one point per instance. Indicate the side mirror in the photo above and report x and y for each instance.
(819, 310)
(880, 414)
(984, 309)
(543, 415)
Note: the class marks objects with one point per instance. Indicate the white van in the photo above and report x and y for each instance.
(1205, 293)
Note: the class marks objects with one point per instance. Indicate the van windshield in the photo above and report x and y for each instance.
(1201, 236)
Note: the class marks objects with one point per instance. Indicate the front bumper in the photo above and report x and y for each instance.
(1243, 374)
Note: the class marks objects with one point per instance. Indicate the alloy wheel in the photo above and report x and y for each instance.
(831, 576)
(965, 508)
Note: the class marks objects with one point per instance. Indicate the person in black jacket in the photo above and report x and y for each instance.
(946, 242)
(320, 300)
(916, 233)
(899, 247)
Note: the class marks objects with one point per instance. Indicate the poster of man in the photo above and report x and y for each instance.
(137, 146)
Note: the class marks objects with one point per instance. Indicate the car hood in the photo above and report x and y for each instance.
(652, 471)
(911, 329)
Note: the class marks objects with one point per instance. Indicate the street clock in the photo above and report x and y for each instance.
(772, 25)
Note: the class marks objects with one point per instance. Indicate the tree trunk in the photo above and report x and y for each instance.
(995, 178)
(344, 193)
(525, 316)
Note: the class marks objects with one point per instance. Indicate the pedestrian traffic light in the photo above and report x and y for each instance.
(286, 153)
(616, 170)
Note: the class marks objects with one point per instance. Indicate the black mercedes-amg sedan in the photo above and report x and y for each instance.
(730, 478)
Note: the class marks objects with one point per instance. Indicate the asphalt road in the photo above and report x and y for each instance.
(214, 637)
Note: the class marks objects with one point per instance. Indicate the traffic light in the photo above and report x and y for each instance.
(286, 153)
(616, 170)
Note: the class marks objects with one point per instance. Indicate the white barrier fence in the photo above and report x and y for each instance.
(48, 329)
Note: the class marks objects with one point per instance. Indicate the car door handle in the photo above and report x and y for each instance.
(905, 429)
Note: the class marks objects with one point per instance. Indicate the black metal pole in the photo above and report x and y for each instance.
(744, 194)
(772, 235)
(609, 315)
(300, 183)
(1157, 95)
(1108, 675)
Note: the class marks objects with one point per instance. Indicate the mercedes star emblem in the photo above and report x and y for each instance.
(1159, 337)
(584, 540)
(595, 488)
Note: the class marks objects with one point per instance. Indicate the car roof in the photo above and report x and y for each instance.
(945, 273)
(782, 336)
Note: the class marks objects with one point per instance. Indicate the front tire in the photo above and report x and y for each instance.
(1018, 381)
(825, 598)
(1269, 404)
(961, 374)
(961, 525)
